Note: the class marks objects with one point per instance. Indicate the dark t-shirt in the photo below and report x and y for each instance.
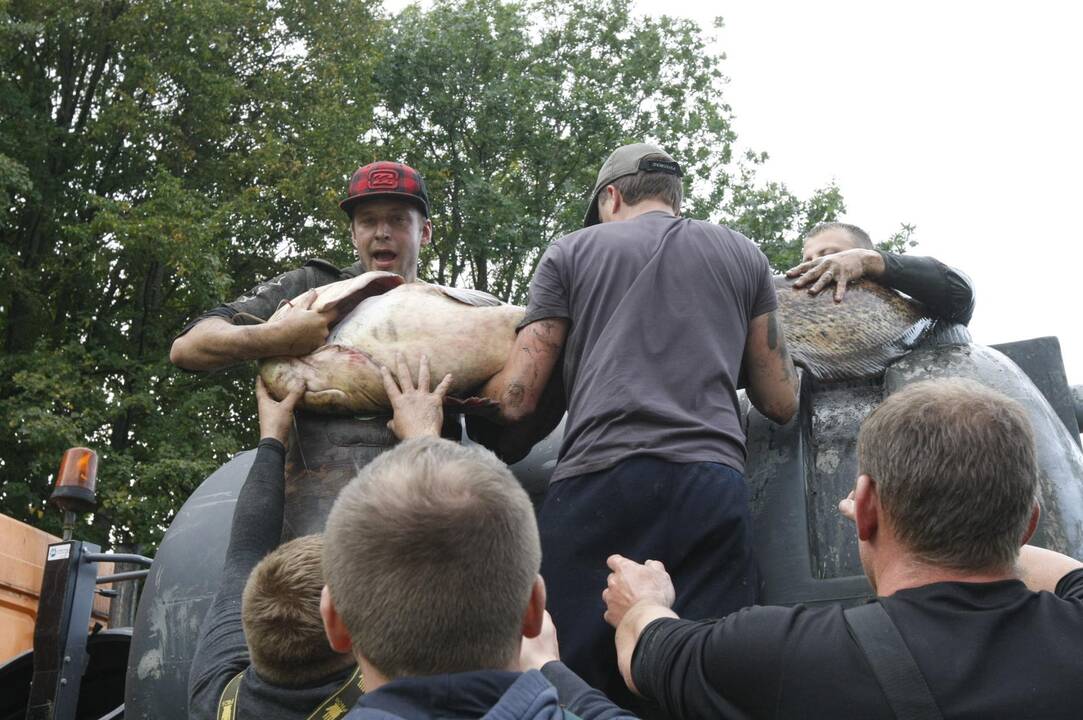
(260, 302)
(986, 650)
(659, 309)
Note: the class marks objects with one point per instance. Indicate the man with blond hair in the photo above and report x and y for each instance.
(262, 652)
(431, 560)
(966, 624)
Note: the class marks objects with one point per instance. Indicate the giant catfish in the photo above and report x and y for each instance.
(469, 334)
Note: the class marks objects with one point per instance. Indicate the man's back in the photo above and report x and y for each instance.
(659, 309)
(986, 650)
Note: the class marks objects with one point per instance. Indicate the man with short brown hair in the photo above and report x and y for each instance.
(431, 557)
(966, 624)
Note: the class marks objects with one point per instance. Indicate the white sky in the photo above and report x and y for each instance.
(962, 118)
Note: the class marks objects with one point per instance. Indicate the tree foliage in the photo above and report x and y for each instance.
(509, 109)
(158, 157)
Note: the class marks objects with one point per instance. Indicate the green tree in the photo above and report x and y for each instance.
(156, 156)
(509, 108)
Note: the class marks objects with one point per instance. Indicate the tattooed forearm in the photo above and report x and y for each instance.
(513, 394)
(772, 331)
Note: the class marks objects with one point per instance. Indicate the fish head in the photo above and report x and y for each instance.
(336, 379)
(388, 234)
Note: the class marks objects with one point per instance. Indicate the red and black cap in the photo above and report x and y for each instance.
(386, 179)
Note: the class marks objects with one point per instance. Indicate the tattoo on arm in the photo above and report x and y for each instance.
(772, 331)
(513, 395)
(776, 340)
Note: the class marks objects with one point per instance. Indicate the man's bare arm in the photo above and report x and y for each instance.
(216, 343)
(519, 386)
(772, 379)
(1042, 569)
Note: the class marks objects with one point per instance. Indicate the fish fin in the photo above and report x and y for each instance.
(476, 298)
(350, 293)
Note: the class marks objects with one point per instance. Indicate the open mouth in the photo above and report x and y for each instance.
(384, 258)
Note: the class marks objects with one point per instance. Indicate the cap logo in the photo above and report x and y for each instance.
(660, 166)
(383, 179)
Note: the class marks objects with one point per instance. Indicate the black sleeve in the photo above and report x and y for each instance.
(945, 291)
(728, 668)
(260, 302)
(221, 651)
(1070, 587)
(580, 698)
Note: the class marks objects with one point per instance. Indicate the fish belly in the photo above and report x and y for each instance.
(471, 343)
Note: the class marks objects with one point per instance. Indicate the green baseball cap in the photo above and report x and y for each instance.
(628, 160)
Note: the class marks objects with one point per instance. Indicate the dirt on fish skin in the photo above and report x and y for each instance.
(463, 332)
(853, 339)
(470, 334)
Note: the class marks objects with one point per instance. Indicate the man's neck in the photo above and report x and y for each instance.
(375, 679)
(911, 573)
(628, 212)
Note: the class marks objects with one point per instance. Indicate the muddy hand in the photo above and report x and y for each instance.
(839, 268)
(276, 417)
(417, 412)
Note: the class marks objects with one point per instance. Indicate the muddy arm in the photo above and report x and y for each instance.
(519, 386)
(772, 381)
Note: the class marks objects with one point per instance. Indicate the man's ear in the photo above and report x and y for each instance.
(866, 508)
(615, 198)
(535, 609)
(337, 634)
(426, 231)
(353, 231)
(1035, 515)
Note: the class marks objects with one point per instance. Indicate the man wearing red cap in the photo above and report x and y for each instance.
(388, 206)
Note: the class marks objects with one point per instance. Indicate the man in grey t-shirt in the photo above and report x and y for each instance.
(656, 317)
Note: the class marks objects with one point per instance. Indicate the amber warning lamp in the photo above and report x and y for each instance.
(76, 481)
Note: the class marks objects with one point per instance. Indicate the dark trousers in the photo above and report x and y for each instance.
(694, 517)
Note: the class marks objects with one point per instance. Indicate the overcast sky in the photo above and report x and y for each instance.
(962, 118)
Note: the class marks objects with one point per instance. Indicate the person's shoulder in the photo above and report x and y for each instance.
(1070, 587)
(725, 232)
(325, 267)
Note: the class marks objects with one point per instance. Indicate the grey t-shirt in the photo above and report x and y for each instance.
(659, 309)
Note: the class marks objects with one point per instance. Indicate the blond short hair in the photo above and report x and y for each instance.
(430, 557)
(280, 612)
(955, 469)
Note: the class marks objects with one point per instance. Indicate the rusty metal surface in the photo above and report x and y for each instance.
(796, 474)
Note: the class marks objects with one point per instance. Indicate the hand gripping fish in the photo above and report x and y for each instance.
(469, 334)
(464, 332)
